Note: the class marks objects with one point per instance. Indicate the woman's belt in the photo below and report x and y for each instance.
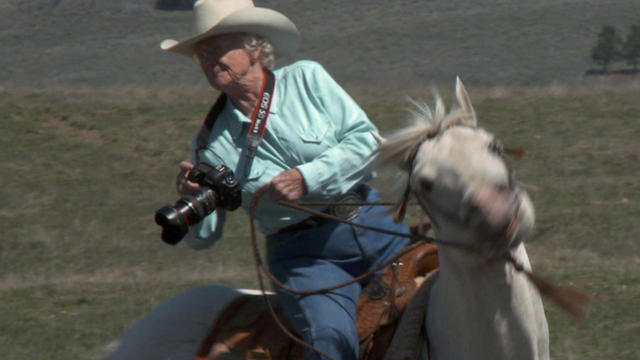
(348, 213)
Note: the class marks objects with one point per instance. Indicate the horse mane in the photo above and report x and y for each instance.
(400, 148)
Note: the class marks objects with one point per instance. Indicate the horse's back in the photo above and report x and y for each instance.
(224, 323)
(175, 329)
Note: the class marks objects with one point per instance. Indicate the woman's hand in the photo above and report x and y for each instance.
(289, 185)
(183, 185)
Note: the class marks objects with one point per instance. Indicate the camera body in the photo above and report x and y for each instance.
(222, 181)
(218, 188)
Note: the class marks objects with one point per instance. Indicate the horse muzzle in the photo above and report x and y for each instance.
(491, 213)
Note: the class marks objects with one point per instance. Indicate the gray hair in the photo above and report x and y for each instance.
(254, 42)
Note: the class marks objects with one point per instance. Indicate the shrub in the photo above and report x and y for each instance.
(174, 4)
(631, 47)
(607, 48)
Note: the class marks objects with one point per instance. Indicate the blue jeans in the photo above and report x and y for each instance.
(325, 256)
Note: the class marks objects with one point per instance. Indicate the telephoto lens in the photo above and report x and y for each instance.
(188, 210)
(218, 187)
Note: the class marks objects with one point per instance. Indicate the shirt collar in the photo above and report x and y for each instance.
(273, 109)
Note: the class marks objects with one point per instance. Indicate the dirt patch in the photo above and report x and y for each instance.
(62, 123)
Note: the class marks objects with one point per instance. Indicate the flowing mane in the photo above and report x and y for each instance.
(426, 123)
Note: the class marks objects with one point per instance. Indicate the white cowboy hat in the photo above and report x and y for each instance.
(216, 17)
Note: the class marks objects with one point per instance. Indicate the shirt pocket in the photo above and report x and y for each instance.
(316, 134)
(314, 141)
(256, 171)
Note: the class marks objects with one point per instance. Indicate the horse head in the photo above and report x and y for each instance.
(457, 173)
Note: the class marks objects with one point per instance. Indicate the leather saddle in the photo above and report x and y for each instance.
(246, 328)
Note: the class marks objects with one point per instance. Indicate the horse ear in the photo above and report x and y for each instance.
(465, 102)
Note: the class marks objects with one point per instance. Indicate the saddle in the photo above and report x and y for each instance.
(246, 327)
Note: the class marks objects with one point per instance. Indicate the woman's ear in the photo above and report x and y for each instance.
(255, 55)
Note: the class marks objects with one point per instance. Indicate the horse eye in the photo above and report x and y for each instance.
(495, 146)
(426, 184)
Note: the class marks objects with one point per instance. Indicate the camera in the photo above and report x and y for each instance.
(218, 188)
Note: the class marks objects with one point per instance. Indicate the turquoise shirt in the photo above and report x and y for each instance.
(314, 126)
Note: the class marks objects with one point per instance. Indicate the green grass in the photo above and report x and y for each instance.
(84, 170)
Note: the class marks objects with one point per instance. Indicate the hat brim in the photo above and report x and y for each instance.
(272, 25)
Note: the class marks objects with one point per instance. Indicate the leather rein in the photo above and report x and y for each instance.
(572, 301)
(261, 268)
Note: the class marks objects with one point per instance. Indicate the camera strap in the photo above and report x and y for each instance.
(258, 121)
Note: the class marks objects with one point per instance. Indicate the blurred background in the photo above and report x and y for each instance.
(362, 43)
(94, 118)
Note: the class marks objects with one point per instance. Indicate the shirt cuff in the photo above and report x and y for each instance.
(312, 175)
(207, 232)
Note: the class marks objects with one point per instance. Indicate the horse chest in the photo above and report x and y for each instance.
(473, 317)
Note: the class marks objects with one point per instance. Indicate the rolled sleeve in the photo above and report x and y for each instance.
(207, 232)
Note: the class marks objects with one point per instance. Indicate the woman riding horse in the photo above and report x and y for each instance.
(297, 131)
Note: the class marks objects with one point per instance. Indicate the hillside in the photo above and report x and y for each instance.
(365, 44)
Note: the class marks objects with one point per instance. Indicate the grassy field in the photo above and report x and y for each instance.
(84, 170)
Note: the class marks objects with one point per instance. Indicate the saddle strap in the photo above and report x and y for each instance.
(405, 344)
(385, 297)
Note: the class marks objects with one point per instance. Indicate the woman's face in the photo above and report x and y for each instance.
(225, 60)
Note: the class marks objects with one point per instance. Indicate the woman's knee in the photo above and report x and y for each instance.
(337, 341)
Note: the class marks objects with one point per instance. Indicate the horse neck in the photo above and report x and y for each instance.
(467, 267)
(491, 308)
(472, 277)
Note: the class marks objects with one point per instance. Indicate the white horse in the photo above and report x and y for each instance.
(479, 306)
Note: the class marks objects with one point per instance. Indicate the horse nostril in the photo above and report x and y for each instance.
(427, 185)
